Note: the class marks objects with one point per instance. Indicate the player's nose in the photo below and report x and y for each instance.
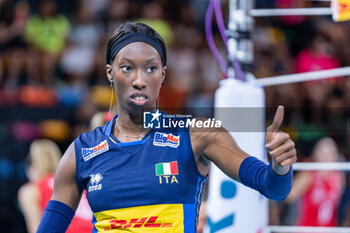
(139, 81)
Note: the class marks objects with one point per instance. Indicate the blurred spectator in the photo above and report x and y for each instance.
(319, 192)
(78, 58)
(46, 32)
(207, 70)
(100, 119)
(293, 19)
(152, 14)
(117, 12)
(13, 47)
(182, 66)
(199, 8)
(320, 56)
(97, 7)
(272, 52)
(43, 159)
(83, 115)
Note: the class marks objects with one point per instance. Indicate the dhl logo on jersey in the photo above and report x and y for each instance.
(164, 218)
(137, 223)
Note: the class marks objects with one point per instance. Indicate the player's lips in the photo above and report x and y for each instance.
(139, 98)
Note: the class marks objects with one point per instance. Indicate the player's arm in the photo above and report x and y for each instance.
(66, 195)
(273, 181)
(301, 183)
(28, 199)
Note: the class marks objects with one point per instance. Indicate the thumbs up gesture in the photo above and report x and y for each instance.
(279, 145)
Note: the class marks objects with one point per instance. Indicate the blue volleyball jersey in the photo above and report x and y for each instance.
(151, 185)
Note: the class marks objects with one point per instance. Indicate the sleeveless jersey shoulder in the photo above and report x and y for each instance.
(87, 146)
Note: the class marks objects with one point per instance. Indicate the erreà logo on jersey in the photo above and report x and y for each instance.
(163, 139)
(95, 180)
(91, 152)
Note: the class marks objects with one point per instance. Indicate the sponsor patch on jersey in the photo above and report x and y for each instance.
(163, 139)
(95, 180)
(165, 218)
(91, 152)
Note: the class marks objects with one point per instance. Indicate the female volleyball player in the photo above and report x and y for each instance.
(138, 179)
(43, 158)
(327, 186)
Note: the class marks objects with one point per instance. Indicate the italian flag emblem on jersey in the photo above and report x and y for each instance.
(163, 169)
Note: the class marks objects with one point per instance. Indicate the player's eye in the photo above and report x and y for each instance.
(125, 68)
(151, 69)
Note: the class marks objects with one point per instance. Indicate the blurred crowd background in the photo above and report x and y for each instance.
(52, 76)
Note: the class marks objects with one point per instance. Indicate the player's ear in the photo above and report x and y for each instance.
(109, 73)
(163, 74)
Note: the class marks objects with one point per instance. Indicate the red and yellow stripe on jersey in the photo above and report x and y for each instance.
(153, 218)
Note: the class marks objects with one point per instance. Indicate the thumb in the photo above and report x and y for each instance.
(277, 120)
